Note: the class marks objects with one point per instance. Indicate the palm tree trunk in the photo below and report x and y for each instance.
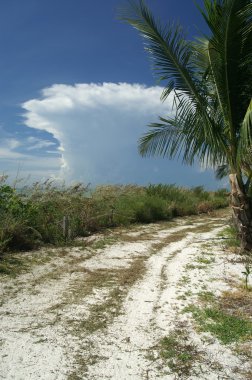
(242, 212)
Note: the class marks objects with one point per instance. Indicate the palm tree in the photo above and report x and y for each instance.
(211, 81)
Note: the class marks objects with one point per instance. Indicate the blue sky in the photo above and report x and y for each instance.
(77, 92)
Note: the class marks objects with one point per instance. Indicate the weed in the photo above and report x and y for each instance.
(179, 354)
(204, 260)
(184, 280)
(13, 264)
(206, 296)
(238, 302)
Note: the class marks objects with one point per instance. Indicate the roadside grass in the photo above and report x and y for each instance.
(13, 264)
(231, 240)
(56, 214)
(226, 327)
(227, 317)
(232, 245)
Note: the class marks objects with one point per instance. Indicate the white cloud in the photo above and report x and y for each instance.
(97, 127)
(16, 159)
(39, 143)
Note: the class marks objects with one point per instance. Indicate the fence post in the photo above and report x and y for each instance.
(66, 227)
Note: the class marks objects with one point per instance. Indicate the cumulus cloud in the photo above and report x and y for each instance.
(98, 126)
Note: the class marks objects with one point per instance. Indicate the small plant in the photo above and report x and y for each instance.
(246, 273)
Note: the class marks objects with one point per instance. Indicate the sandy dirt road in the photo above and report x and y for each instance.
(117, 306)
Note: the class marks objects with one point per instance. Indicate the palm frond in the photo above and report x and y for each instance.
(222, 171)
(184, 136)
(211, 82)
(169, 51)
(230, 48)
(245, 141)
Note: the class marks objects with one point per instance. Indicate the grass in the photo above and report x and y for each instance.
(115, 285)
(119, 280)
(178, 353)
(206, 297)
(12, 264)
(103, 243)
(227, 317)
(224, 326)
(230, 236)
(204, 260)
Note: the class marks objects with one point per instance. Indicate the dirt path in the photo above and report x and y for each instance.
(122, 306)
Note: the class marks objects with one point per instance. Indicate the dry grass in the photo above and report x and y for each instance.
(238, 302)
(117, 283)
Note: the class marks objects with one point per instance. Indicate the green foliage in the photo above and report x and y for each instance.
(178, 353)
(210, 79)
(34, 215)
(226, 327)
(230, 236)
(246, 273)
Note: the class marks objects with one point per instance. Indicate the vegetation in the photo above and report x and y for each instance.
(179, 354)
(46, 213)
(211, 81)
(226, 327)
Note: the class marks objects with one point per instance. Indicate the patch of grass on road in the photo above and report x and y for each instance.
(101, 314)
(178, 353)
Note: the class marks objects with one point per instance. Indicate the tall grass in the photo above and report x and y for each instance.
(34, 215)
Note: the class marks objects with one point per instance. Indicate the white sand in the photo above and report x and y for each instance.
(39, 313)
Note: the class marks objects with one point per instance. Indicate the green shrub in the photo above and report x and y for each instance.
(151, 209)
(34, 215)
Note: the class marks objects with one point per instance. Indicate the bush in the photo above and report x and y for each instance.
(34, 215)
(151, 209)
